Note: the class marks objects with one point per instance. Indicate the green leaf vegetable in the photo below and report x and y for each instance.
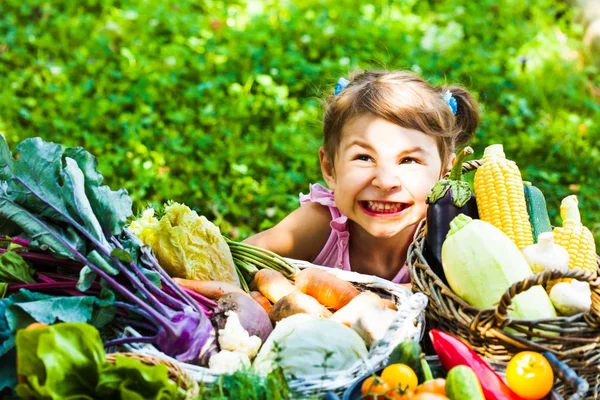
(249, 385)
(24, 307)
(13, 268)
(67, 360)
(56, 198)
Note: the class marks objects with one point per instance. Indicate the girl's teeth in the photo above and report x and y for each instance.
(384, 207)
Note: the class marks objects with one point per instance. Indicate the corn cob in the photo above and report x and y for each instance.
(500, 197)
(576, 238)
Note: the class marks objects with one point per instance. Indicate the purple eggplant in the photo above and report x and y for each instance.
(448, 198)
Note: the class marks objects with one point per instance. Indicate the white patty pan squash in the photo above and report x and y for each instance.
(481, 263)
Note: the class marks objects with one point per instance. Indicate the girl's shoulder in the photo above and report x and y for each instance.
(300, 235)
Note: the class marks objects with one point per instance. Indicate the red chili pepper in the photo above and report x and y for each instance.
(452, 352)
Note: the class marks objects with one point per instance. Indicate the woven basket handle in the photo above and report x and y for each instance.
(411, 308)
(543, 277)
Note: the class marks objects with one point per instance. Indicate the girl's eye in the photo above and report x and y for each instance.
(363, 157)
(408, 160)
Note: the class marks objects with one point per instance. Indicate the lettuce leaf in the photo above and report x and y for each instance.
(60, 361)
(130, 379)
(13, 268)
(67, 361)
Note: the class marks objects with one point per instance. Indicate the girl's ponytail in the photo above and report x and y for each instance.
(467, 115)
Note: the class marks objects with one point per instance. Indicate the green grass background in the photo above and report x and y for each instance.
(217, 104)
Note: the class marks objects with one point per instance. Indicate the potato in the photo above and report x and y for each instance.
(296, 303)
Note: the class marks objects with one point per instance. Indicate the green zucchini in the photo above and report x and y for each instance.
(537, 210)
(462, 384)
(408, 353)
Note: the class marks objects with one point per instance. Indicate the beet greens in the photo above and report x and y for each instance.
(51, 196)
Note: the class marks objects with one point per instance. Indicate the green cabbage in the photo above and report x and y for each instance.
(304, 345)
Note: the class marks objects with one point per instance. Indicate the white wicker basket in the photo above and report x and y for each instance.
(408, 324)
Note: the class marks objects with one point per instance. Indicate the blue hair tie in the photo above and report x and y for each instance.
(452, 103)
(341, 85)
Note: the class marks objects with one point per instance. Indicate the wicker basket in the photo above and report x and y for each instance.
(177, 374)
(408, 324)
(574, 340)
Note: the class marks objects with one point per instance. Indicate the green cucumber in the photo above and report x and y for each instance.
(537, 210)
(408, 353)
(462, 384)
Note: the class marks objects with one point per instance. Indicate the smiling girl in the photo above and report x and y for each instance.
(389, 136)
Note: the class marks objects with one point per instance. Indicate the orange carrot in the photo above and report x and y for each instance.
(272, 284)
(327, 288)
(211, 289)
(262, 300)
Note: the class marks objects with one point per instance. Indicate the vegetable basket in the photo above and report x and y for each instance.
(409, 323)
(575, 340)
(177, 374)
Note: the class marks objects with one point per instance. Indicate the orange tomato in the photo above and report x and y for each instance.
(530, 375)
(400, 376)
(437, 386)
(373, 385)
(35, 325)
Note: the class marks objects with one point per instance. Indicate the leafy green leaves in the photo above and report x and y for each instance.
(47, 184)
(24, 307)
(135, 381)
(247, 384)
(13, 268)
(112, 208)
(67, 361)
(5, 159)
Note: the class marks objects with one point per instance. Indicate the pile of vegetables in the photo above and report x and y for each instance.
(317, 316)
(52, 198)
(463, 375)
(479, 252)
(71, 252)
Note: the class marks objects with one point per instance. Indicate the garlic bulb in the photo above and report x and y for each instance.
(570, 298)
(546, 255)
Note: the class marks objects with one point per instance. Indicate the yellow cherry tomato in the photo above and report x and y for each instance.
(530, 375)
(401, 377)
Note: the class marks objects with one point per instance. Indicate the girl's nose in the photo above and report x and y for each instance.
(386, 178)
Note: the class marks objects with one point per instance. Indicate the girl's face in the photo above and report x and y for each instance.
(382, 174)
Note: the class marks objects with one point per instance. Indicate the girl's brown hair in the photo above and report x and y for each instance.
(407, 100)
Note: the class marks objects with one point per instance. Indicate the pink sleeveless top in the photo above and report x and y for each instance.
(335, 252)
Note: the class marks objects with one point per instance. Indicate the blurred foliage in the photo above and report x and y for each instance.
(217, 103)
